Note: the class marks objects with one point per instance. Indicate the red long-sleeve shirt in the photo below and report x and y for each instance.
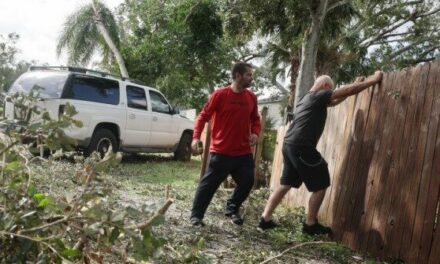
(234, 116)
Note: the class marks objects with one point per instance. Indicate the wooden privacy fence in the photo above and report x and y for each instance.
(383, 152)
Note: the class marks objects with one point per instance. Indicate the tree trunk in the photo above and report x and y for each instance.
(309, 51)
(294, 68)
(103, 31)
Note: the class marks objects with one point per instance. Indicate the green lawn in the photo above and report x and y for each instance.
(143, 179)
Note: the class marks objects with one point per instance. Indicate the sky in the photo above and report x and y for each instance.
(39, 22)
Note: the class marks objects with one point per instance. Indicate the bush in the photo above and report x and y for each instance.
(77, 223)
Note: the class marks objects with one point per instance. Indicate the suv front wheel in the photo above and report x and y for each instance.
(101, 141)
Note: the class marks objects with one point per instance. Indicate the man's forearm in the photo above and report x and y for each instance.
(356, 87)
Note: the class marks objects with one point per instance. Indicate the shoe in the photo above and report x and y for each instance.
(316, 229)
(235, 218)
(196, 221)
(267, 224)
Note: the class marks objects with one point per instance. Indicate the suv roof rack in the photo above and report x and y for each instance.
(84, 71)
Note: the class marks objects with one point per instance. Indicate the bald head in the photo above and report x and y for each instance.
(323, 82)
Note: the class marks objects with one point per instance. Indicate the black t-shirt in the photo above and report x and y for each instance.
(309, 120)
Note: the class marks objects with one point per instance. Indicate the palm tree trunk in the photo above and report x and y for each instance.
(103, 30)
(309, 51)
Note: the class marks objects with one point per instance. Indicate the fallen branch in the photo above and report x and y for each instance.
(296, 246)
(2, 233)
(150, 221)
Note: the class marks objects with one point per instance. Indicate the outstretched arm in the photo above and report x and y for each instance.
(356, 87)
(335, 102)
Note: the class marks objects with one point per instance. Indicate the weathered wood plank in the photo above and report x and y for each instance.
(397, 215)
(358, 192)
(358, 128)
(374, 185)
(343, 148)
(414, 166)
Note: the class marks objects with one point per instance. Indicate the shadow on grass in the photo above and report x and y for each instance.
(134, 158)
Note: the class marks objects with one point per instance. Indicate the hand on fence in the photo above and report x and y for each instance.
(197, 147)
(359, 79)
(378, 75)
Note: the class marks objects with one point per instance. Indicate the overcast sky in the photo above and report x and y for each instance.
(39, 22)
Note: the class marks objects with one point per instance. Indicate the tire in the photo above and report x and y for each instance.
(183, 151)
(101, 141)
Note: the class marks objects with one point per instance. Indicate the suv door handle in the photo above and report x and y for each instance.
(154, 118)
(132, 116)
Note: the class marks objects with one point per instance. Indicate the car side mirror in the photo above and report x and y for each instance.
(175, 111)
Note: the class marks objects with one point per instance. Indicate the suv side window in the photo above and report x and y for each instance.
(89, 88)
(136, 98)
(159, 103)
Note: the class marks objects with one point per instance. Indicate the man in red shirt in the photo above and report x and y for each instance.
(235, 125)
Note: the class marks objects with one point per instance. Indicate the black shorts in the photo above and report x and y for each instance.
(304, 164)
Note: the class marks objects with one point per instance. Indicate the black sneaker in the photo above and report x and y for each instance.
(235, 218)
(196, 221)
(316, 229)
(267, 224)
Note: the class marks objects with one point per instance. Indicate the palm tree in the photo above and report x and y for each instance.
(90, 28)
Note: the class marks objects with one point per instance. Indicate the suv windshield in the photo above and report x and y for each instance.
(47, 84)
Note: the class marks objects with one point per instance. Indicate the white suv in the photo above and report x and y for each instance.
(115, 111)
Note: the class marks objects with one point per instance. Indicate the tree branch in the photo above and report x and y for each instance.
(337, 4)
(406, 48)
(429, 13)
(34, 240)
(296, 246)
(150, 221)
(381, 34)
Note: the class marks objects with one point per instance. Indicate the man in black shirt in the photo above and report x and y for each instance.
(302, 162)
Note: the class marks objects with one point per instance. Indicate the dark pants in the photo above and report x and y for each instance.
(241, 168)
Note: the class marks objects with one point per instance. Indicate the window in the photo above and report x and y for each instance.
(159, 103)
(94, 89)
(47, 84)
(136, 98)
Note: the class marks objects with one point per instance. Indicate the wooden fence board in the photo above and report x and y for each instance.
(343, 148)
(390, 170)
(427, 218)
(372, 183)
(427, 152)
(339, 111)
(357, 131)
(434, 254)
(414, 162)
(400, 211)
(342, 180)
(380, 164)
(360, 175)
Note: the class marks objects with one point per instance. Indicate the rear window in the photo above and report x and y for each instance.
(48, 84)
(94, 89)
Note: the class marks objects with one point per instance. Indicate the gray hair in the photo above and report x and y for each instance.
(324, 79)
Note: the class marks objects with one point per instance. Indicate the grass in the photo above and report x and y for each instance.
(144, 178)
(146, 181)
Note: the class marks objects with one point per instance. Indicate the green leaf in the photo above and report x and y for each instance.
(158, 220)
(39, 196)
(45, 202)
(70, 253)
(201, 243)
(13, 166)
(114, 235)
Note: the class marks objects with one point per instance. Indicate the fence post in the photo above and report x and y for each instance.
(259, 147)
